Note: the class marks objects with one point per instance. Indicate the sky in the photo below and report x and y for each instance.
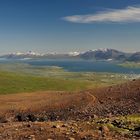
(69, 25)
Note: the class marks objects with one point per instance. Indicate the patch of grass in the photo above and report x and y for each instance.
(17, 83)
(122, 124)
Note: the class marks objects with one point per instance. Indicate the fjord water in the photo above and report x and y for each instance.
(78, 65)
(84, 65)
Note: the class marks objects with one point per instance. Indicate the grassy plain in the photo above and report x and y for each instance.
(17, 83)
(18, 78)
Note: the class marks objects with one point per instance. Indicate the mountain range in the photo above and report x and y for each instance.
(98, 54)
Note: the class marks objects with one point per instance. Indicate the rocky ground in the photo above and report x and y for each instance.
(111, 113)
(108, 129)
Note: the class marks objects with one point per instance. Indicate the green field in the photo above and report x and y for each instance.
(17, 78)
(15, 83)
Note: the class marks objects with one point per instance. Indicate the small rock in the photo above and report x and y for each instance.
(73, 131)
(31, 118)
(75, 124)
(64, 125)
(32, 137)
(109, 115)
(71, 138)
(95, 116)
(3, 125)
(67, 133)
(43, 119)
(55, 126)
(8, 134)
(41, 128)
(136, 133)
(104, 129)
(88, 123)
(28, 125)
(84, 138)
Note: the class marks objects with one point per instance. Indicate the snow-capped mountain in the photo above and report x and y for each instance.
(104, 54)
(98, 54)
(29, 53)
(21, 55)
(74, 53)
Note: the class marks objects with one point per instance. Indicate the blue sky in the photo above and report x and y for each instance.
(69, 25)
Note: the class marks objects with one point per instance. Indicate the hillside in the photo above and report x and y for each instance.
(103, 113)
(118, 100)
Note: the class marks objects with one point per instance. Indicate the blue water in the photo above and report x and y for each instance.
(85, 66)
(79, 65)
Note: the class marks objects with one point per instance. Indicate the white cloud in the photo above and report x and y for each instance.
(127, 15)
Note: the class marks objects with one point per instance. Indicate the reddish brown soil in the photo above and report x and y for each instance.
(42, 115)
(121, 99)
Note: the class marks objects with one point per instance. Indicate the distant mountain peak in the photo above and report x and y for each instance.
(96, 54)
(103, 54)
(74, 53)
